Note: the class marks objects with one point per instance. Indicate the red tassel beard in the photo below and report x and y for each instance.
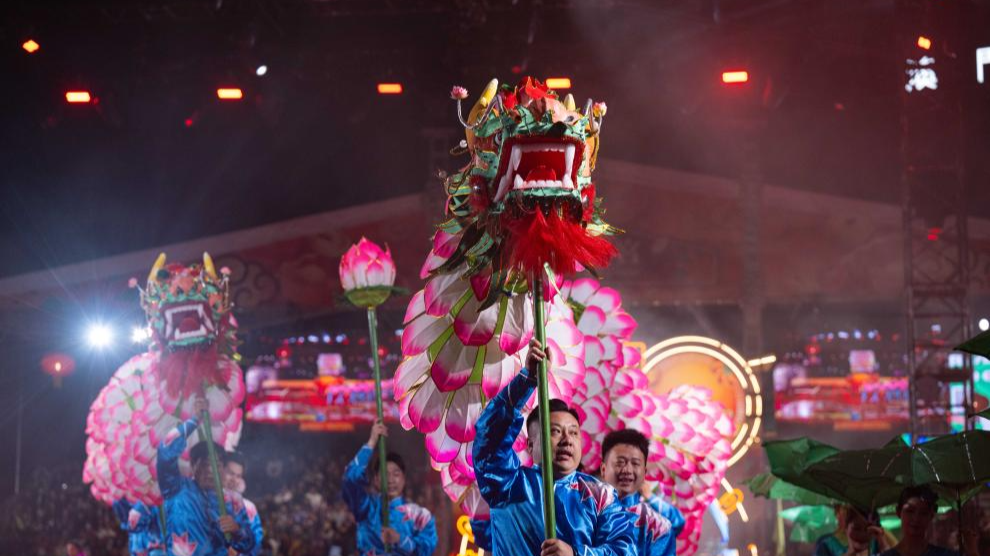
(185, 372)
(534, 239)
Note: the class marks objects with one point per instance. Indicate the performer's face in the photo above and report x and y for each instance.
(565, 441)
(203, 474)
(233, 477)
(624, 468)
(396, 480)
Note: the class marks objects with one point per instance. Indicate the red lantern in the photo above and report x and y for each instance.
(58, 365)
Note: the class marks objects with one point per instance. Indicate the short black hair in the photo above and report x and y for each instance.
(924, 492)
(556, 405)
(391, 457)
(202, 451)
(235, 457)
(631, 437)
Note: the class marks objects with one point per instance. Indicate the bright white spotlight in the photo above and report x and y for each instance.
(140, 335)
(262, 70)
(984, 324)
(99, 335)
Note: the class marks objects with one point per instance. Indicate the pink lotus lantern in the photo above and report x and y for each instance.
(367, 274)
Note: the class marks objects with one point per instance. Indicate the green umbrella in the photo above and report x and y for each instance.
(768, 486)
(977, 345)
(951, 464)
(954, 464)
(810, 522)
(867, 479)
(790, 457)
(789, 460)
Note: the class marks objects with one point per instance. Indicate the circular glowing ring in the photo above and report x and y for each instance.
(741, 370)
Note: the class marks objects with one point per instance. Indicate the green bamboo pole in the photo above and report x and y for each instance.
(206, 435)
(161, 519)
(382, 470)
(546, 466)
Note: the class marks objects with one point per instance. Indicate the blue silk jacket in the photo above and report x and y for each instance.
(669, 511)
(192, 515)
(415, 525)
(144, 536)
(256, 529)
(589, 518)
(654, 533)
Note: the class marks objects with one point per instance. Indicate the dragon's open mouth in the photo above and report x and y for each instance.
(538, 163)
(187, 321)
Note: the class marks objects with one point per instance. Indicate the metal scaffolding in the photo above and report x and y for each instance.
(936, 236)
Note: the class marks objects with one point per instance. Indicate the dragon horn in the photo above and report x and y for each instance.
(482, 109)
(208, 266)
(159, 263)
(587, 108)
(569, 102)
(486, 96)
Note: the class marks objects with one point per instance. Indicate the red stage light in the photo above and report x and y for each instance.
(924, 42)
(735, 76)
(283, 352)
(30, 46)
(559, 82)
(58, 364)
(230, 93)
(390, 88)
(934, 233)
(78, 97)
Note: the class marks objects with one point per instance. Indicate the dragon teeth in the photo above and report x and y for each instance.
(512, 180)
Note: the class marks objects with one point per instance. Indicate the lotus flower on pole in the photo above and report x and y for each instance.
(367, 274)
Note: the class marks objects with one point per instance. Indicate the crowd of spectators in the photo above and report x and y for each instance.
(54, 508)
(297, 495)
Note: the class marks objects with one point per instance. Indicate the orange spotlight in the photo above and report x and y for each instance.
(559, 82)
(230, 93)
(78, 97)
(924, 42)
(390, 88)
(30, 46)
(739, 76)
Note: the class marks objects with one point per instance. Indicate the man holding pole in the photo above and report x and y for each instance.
(410, 529)
(589, 521)
(196, 525)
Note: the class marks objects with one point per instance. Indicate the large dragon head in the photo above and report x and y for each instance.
(525, 142)
(526, 200)
(188, 307)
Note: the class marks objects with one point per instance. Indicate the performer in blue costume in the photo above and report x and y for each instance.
(412, 530)
(670, 512)
(233, 480)
(193, 522)
(589, 521)
(481, 530)
(624, 456)
(140, 522)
